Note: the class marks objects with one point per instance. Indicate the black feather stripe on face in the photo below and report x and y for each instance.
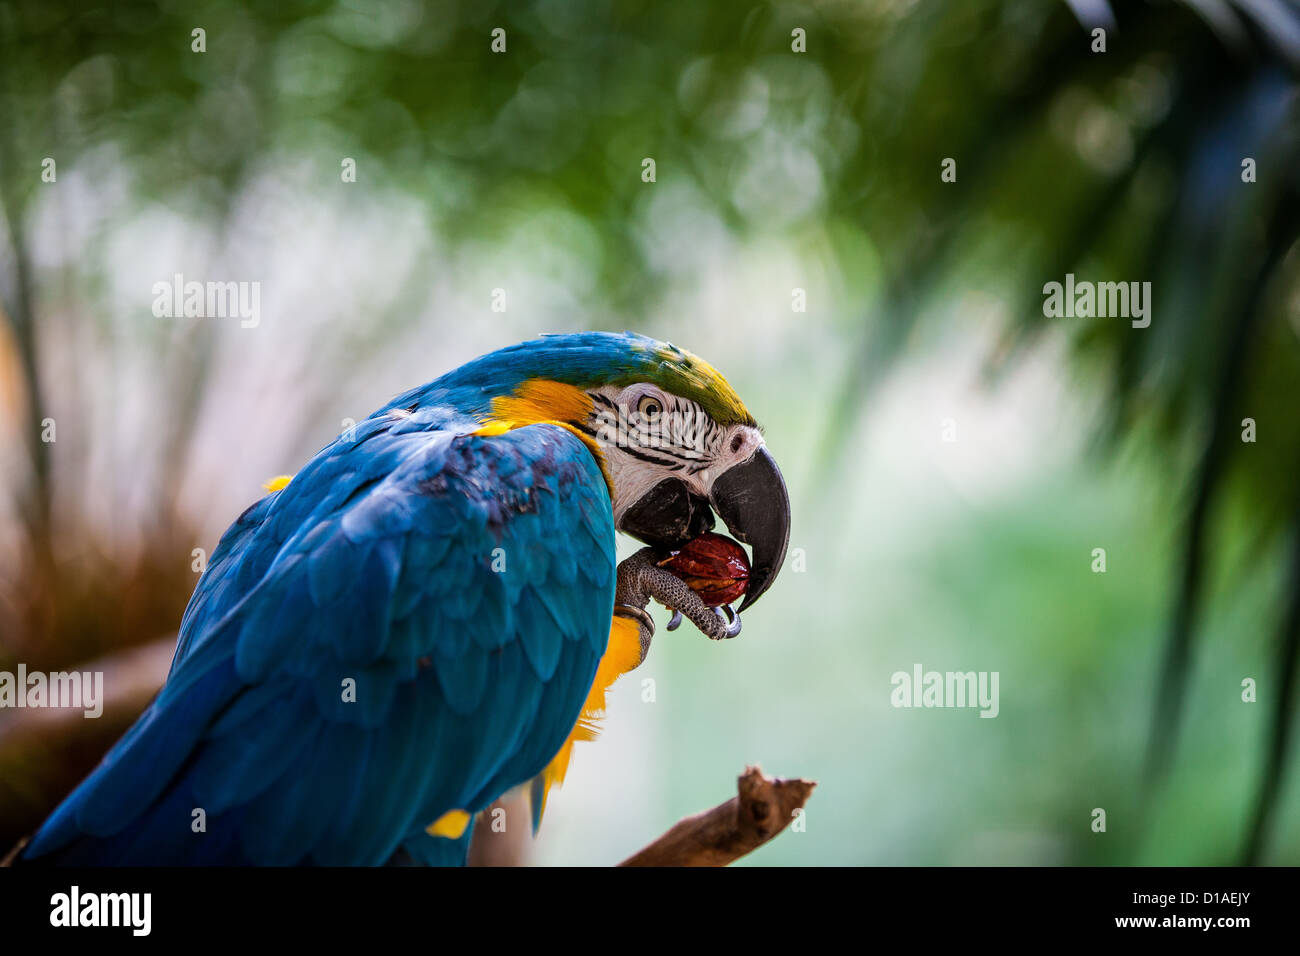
(682, 437)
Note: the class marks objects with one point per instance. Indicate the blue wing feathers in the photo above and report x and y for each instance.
(541, 635)
(373, 569)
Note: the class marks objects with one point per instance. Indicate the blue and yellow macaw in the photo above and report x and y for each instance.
(428, 614)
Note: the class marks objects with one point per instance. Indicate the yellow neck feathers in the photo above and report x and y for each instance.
(540, 401)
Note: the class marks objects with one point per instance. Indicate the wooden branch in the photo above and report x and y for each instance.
(761, 809)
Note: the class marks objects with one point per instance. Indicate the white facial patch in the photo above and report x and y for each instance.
(649, 435)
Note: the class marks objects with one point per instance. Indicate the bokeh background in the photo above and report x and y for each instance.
(775, 170)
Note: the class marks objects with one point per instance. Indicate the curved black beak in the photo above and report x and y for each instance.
(752, 500)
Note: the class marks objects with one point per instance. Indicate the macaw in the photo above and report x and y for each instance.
(428, 614)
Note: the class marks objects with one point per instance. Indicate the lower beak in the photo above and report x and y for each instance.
(668, 515)
(752, 500)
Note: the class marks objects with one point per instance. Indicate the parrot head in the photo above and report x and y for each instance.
(675, 464)
(677, 445)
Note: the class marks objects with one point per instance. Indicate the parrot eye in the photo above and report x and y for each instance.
(649, 408)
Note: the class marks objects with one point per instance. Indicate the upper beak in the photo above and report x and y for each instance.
(752, 500)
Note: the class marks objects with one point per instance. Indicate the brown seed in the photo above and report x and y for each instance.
(713, 566)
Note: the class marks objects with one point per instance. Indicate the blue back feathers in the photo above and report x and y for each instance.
(409, 627)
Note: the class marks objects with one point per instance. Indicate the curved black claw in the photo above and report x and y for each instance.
(640, 579)
(731, 619)
(675, 621)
